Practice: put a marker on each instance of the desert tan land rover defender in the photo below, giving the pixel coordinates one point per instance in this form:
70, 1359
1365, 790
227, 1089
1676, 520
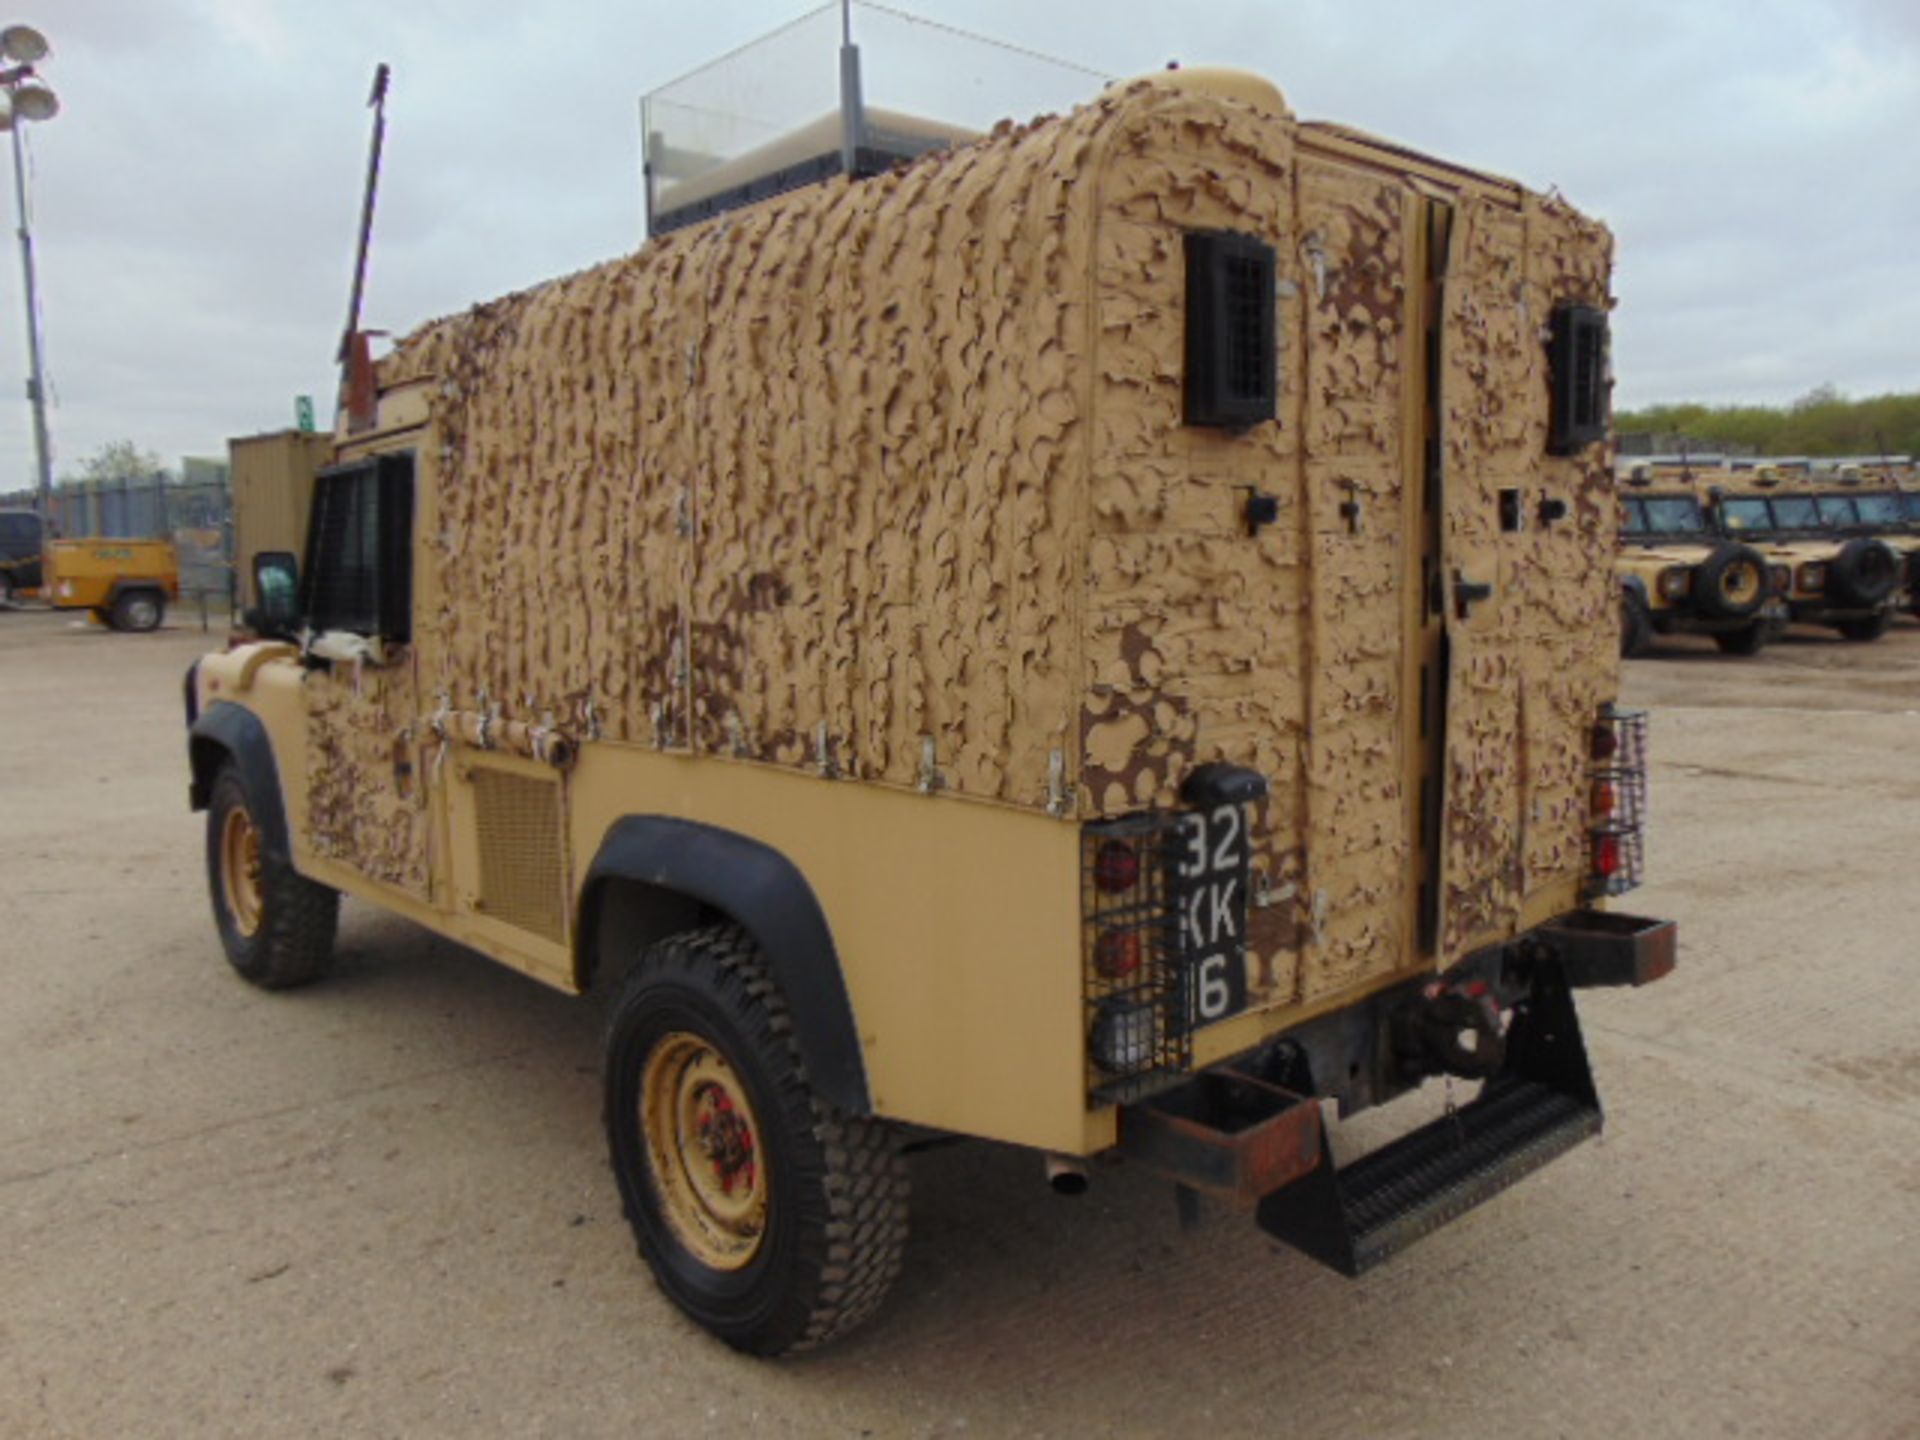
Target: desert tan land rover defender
1097, 640
1843, 578
1677, 576
1869, 500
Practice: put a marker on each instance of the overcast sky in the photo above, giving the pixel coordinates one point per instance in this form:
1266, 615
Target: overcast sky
195, 201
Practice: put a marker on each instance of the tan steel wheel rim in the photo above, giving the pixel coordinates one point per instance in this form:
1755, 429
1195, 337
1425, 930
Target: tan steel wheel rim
240, 870
703, 1145
1741, 584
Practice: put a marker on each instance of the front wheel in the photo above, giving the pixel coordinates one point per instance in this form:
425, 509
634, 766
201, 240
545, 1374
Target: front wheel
1871, 628
276, 925
769, 1217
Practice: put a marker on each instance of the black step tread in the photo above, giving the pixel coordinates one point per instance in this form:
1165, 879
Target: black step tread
1421, 1181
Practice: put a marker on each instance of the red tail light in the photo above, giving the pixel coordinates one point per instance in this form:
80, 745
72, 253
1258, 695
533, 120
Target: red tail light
1116, 867
1117, 953
1617, 800
1606, 857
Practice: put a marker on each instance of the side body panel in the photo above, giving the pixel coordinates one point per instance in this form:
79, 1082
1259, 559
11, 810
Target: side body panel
957, 928
802, 486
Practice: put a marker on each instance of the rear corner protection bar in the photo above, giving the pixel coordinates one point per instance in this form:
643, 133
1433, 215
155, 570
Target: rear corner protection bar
1252, 1133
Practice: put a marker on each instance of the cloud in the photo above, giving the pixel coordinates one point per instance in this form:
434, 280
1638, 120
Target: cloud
197, 197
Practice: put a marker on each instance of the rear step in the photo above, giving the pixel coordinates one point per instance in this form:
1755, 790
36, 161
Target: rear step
1540, 1106
1354, 1218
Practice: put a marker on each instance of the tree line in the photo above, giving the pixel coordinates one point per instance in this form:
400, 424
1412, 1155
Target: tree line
1821, 422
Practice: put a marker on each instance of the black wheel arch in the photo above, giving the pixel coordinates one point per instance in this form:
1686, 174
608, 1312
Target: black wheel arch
226, 732
655, 874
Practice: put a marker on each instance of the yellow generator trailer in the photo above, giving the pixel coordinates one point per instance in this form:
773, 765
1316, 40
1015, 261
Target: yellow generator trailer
124, 584
1098, 639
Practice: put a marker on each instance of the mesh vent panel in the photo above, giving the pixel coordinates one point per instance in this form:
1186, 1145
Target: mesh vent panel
519, 826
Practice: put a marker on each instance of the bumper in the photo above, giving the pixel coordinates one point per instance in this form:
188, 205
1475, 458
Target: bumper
1678, 621
1252, 1132
1820, 612
1598, 948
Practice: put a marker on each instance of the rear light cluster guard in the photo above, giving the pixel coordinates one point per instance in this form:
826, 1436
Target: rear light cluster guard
1137, 1038
1617, 801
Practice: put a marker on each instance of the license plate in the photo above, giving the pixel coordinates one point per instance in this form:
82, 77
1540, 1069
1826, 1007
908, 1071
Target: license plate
1210, 883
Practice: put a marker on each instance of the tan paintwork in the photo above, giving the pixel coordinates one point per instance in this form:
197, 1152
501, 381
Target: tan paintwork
1649, 562
863, 522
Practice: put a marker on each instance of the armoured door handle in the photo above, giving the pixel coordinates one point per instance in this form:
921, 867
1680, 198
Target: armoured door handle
1468, 593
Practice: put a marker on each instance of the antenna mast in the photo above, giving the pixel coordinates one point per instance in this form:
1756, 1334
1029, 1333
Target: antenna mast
377, 101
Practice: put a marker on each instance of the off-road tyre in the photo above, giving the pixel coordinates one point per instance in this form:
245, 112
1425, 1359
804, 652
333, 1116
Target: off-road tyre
1749, 639
1636, 623
1871, 627
834, 1224
1863, 574
287, 939
137, 611
1731, 583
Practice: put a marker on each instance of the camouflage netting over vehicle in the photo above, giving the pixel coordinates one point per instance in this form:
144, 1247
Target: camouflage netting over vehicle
887, 480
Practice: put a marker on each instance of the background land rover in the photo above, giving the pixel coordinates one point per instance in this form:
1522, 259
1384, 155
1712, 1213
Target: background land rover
1849, 583
1879, 510
1096, 640
1678, 575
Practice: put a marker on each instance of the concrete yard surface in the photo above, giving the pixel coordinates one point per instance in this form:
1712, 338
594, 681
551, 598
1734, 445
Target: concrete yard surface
380, 1206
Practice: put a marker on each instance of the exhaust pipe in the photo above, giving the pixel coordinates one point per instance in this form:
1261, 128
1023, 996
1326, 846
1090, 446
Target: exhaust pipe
1066, 1175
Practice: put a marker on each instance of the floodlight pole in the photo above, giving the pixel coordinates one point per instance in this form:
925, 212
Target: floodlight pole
36, 378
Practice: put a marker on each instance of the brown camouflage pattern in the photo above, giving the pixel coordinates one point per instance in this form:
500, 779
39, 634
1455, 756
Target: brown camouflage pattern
888, 481
367, 800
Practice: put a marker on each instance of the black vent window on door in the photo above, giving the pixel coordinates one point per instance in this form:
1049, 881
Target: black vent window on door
1577, 369
1233, 352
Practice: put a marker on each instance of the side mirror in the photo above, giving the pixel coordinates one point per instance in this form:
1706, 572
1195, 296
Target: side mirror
276, 585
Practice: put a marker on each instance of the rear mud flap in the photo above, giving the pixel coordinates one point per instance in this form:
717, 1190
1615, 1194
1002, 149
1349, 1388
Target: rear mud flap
1540, 1105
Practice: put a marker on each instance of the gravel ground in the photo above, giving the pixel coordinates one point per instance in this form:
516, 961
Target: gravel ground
379, 1207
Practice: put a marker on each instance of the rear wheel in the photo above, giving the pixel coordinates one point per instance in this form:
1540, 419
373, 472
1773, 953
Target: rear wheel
1747, 640
1871, 628
769, 1217
276, 925
6, 588
137, 610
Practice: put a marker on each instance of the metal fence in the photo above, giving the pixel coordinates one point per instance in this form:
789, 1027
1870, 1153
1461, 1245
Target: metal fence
196, 514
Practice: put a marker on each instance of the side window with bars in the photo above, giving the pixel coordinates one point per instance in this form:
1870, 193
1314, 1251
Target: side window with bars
1233, 348
358, 575
1577, 371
